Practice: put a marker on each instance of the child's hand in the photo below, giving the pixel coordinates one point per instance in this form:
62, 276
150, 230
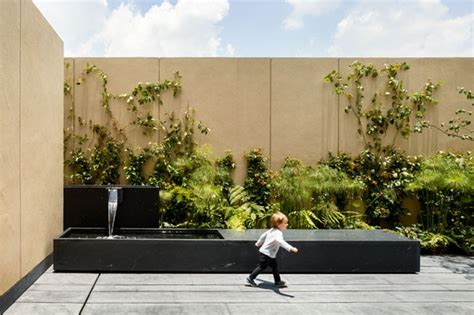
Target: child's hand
294, 250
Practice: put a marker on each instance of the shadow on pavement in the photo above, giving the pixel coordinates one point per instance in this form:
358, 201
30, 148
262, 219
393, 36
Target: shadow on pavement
267, 285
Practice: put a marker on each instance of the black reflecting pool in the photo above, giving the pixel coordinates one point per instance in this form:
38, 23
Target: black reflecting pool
140, 234
220, 250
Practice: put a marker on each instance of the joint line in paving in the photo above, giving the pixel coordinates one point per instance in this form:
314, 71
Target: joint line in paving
88, 295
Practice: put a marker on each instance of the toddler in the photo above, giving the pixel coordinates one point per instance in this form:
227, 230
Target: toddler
269, 243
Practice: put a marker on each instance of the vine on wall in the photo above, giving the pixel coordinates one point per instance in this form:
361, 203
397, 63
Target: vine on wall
393, 107
108, 151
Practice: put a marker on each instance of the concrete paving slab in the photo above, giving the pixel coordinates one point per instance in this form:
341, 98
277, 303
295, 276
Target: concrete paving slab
457, 264
459, 287
429, 261
44, 309
54, 296
434, 269
184, 297
351, 308
168, 288
340, 297
182, 309
144, 278
444, 286
435, 296
235, 278
330, 279
67, 278
244, 288
426, 279
362, 288
61, 287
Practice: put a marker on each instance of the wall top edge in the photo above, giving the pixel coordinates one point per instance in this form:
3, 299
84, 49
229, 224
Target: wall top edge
266, 58
43, 19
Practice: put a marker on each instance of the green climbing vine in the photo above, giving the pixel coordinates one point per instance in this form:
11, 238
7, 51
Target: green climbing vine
392, 107
102, 159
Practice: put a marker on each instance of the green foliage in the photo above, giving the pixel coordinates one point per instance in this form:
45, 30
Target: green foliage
225, 167
384, 177
242, 213
445, 189
195, 200
134, 173
144, 93
309, 195
171, 155
99, 160
432, 243
101, 164
80, 166
257, 182
391, 107
459, 126
151, 91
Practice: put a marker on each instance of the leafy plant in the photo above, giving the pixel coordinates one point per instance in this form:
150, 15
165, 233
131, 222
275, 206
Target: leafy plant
458, 127
99, 159
225, 167
309, 195
134, 173
384, 178
242, 213
101, 164
257, 182
433, 243
445, 189
391, 107
172, 165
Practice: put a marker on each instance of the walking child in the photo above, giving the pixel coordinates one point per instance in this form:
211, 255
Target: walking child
269, 243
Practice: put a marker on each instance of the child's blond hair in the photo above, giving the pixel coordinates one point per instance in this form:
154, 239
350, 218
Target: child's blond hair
277, 218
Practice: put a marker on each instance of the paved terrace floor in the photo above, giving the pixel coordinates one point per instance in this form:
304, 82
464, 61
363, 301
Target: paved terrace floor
444, 286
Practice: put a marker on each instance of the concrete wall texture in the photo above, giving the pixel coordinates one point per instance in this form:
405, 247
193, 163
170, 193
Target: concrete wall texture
281, 105
31, 139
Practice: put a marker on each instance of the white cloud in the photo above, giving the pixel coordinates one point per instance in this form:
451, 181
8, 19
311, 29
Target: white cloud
187, 28
75, 21
303, 8
230, 50
414, 28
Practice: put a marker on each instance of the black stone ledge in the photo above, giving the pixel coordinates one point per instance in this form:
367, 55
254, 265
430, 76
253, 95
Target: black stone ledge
9, 297
320, 251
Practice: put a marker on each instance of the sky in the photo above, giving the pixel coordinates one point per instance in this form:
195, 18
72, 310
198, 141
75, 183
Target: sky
263, 28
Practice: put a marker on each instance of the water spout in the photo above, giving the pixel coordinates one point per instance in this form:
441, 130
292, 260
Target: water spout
112, 208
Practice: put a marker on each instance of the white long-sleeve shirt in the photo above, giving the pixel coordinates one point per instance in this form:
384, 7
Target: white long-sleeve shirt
270, 242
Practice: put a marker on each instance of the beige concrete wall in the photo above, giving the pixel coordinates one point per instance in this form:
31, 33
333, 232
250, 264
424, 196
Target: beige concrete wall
281, 105
9, 144
231, 96
31, 132
304, 111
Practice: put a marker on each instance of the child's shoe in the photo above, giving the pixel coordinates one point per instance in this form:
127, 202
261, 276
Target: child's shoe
281, 284
251, 282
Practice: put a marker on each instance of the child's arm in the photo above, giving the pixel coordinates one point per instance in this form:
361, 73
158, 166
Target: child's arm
285, 245
261, 239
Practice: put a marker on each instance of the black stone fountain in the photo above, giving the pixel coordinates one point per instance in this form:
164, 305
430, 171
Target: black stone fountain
132, 244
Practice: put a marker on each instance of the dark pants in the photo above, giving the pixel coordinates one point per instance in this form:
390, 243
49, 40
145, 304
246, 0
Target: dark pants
263, 262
